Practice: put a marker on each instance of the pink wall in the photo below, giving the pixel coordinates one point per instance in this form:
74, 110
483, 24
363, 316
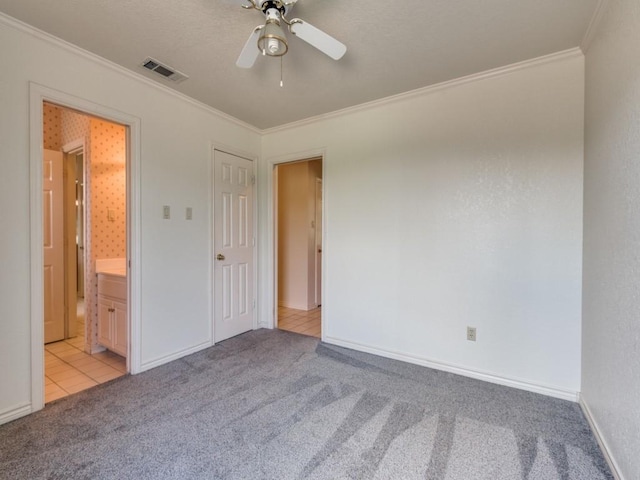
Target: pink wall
51, 127
108, 190
74, 126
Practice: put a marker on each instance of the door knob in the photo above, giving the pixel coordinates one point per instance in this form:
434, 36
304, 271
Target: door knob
220, 257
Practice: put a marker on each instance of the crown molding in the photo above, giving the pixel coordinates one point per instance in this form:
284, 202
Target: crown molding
592, 29
496, 72
69, 47
505, 70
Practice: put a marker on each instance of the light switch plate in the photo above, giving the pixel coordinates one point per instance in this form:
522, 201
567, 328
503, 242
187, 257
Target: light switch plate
166, 212
189, 213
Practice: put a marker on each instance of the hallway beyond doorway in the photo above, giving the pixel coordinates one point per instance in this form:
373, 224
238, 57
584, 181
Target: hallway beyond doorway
300, 321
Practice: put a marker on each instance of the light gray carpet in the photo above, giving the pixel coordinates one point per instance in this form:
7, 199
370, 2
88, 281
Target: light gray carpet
277, 405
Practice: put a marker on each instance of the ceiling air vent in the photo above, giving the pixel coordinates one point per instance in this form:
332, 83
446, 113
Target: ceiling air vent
164, 70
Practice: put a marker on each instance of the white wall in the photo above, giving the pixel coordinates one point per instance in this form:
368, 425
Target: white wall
457, 206
177, 137
611, 324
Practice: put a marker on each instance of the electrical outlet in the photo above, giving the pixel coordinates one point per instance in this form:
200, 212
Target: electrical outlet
471, 334
166, 212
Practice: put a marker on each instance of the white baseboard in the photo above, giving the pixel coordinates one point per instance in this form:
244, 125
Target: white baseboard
601, 441
14, 413
478, 375
144, 366
293, 306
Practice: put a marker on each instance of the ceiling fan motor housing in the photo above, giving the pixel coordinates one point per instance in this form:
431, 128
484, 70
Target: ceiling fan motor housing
267, 5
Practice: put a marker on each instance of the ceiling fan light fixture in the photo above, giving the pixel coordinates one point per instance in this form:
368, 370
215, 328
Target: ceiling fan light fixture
272, 40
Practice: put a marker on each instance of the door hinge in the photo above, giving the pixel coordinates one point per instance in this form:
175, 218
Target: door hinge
253, 179
254, 303
253, 242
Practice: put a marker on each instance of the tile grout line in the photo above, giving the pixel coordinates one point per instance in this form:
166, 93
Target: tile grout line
300, 321
70, 366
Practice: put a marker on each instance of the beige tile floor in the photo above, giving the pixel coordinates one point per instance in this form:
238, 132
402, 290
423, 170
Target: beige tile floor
300, 321
68, 369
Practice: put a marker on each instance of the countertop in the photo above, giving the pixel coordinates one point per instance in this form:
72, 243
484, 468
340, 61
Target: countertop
116, 272
112, 266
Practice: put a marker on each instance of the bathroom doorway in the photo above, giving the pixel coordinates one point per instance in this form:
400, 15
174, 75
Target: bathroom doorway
298, 232
84, 223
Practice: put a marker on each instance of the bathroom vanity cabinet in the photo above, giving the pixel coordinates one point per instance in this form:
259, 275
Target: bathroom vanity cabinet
113, 324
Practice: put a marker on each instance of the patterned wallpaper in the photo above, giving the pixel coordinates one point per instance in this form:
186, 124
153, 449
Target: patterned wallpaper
51, 127
108, 190
106, 202
74, 126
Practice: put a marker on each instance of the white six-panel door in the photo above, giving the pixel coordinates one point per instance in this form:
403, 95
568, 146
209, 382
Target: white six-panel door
233, 245
53, 233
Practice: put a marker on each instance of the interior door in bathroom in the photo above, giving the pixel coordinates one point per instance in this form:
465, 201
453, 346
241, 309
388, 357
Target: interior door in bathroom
53, 234
233, 245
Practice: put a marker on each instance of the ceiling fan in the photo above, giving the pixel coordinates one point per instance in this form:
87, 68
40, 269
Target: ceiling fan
270, 39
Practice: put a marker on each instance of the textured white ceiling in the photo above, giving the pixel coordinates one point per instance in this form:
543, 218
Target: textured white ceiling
393, 47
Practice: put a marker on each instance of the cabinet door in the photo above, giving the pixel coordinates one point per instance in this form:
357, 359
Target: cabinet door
121, 328
105, 330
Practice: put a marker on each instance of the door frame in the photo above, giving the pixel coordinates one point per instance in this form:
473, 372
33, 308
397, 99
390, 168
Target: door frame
270, 304
68, 150
212, 260
318, 269
37, 95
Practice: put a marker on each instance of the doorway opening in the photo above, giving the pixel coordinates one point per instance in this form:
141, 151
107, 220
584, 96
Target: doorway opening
298, 246
85, 240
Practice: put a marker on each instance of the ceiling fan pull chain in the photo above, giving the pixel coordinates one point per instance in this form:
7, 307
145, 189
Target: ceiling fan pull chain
281, 82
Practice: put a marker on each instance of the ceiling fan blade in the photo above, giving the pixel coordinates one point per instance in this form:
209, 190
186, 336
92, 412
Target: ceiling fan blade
317, 38
237, 3
250, 51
